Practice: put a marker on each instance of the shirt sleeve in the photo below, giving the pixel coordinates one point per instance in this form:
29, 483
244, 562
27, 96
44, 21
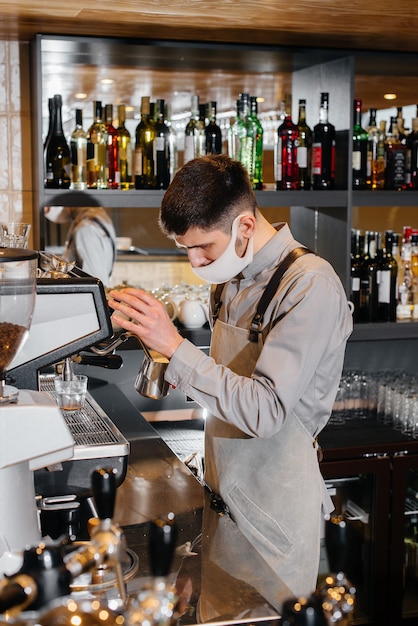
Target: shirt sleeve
311, 329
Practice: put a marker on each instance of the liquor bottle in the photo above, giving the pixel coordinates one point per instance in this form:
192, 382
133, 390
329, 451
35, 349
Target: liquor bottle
213, 132
368, 280
144, 154
357, 247
194, 134
233, 138
360, 146
51, 110
112, 153
375, 153
78, 146
57, 152
323, 149
174, 162
412, 146
387, 273
97, 150
246, 134
286, 165
405, 284
304, 149
124, 150
258, 163
395, 174
161, 147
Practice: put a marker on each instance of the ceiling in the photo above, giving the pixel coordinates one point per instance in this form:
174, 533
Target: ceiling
335, 26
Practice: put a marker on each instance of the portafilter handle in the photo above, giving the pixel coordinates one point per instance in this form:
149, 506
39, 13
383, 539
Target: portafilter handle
104, 492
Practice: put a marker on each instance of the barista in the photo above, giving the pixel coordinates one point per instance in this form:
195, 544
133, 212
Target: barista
268, 392
90, 238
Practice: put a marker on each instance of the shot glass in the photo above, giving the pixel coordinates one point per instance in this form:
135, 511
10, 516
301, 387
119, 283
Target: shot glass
71, 394
14, 234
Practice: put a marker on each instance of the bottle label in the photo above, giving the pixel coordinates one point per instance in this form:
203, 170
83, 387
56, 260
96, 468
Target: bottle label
302, 156
138, 162
355, 284
159, 144
317, 159
383, 292
356, 160
278, 170
189, 148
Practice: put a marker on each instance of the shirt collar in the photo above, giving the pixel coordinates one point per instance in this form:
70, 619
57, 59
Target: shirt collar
272, 252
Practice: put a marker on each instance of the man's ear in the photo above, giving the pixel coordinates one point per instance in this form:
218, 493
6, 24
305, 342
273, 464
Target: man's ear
247, 225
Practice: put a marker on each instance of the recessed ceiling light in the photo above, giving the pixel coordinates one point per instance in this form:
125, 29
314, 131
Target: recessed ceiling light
390, 96
80, 96
128, 109
107, 81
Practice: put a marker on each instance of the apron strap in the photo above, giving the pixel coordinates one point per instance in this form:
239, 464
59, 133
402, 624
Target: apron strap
267, 296
270, 290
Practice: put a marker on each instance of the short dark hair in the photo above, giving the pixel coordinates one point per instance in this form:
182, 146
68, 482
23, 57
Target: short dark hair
206, 193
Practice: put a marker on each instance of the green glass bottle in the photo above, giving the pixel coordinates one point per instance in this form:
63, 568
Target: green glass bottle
258, 162
360, 149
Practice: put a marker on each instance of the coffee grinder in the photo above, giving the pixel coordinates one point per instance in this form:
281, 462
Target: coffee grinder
33, 431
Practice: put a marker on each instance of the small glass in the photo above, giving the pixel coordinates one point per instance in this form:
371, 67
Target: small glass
14, 234
71, 394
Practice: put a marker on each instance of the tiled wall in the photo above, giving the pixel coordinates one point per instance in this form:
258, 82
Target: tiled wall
15, 170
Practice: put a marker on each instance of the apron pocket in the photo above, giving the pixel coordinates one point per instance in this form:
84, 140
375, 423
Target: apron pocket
267, 536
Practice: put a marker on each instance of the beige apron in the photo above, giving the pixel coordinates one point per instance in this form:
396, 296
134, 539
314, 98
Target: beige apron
273, 487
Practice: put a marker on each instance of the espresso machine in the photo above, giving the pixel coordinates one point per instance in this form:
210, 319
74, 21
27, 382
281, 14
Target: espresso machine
47, 456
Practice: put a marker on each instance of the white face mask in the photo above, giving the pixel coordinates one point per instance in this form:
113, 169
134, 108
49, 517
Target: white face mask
229, 264
58, 214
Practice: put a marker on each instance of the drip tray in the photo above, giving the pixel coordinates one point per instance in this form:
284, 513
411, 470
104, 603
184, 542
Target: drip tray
95, 435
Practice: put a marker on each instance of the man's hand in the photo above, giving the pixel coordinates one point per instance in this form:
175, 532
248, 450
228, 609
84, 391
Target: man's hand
148, 319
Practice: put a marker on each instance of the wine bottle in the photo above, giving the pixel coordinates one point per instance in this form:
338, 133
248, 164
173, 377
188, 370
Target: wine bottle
304, 149
286, 165
387, 272
258, 163
57, 152
360, 148
112, 152
323, 149
194, 134
144, 152
78, 145
97, 150
124, 150
51, 110
233, 139
376, 160
172, 142
405, 284
368, 280
357, 246
395, 174
412, 146
213, 132
161, 147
